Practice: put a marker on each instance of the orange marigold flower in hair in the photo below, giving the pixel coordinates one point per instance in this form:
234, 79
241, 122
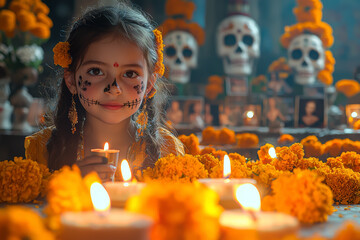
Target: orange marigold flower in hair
247, 140
302, 195
41, 17
226, 136
159, 66
7, 20
348, 87
27, 20
41, 30
62, 54
191, 143
312, 146
285, 138
264, 155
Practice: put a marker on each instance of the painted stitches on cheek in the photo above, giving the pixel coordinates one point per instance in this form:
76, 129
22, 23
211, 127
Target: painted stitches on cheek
139, 89
89, 101
83, 84
133, 103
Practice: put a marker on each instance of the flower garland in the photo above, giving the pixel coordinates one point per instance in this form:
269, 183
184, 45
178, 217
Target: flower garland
179, 210
159, 66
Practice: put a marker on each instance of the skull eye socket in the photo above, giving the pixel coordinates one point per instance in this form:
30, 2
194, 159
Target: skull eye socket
248, 39
170, 51
187, 52
230, 40
314, 55
296, 54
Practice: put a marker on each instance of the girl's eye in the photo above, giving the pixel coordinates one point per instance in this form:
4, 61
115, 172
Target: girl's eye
130, 74
95, 71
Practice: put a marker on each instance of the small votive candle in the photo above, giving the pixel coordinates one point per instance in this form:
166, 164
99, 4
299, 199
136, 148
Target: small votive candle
111, 154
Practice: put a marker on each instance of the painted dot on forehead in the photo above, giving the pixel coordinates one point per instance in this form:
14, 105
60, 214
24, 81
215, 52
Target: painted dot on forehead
116, 64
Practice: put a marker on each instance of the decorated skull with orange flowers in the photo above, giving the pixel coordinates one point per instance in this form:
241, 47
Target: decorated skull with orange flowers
238, 44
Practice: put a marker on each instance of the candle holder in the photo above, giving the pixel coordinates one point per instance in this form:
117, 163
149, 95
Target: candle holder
112, 155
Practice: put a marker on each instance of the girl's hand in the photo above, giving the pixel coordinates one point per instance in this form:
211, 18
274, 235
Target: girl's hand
97, 164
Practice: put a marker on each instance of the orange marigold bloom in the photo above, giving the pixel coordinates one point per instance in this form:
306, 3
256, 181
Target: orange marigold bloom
325, 75
210, 136
334, 162
62, 54
27, 20
41, 17
159, 66
219, 154
247, 140
238, 170
279, 65
333, 147
18, 5
298, 149
285, 138
179, 210
214, 87
209, 161
345, 185
41, 30
264, 174
207, 150
351, 146
309, 163
216, 80
348, 87
191, 144
7, 20
356, 125
286, 159
306, 198
41, 7
226, 136
351, 160
349, 230
2, 3
264, 155
237, 157
312, 146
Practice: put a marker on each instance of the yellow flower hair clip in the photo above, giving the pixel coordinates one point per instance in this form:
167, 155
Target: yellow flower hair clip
61, 54
159, 66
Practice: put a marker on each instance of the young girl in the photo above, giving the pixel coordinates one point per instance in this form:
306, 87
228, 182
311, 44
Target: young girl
111, 91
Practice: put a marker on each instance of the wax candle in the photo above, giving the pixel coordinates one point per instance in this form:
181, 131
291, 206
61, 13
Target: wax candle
225, 187
252, 224
111, 154
120, 192
104, 223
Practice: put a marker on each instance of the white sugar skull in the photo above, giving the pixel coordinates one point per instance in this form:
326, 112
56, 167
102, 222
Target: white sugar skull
306, 57
238, 44
181, 53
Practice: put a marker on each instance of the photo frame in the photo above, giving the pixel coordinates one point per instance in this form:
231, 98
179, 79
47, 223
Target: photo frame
310, 112
352, 114
278, 112
230, 113
315, 90
236, 86
251, 115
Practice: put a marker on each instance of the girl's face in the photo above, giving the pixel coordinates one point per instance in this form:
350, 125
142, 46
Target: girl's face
112, 80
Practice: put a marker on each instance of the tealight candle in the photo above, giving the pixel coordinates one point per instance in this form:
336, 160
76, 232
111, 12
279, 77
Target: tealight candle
120, 192
104, 223
252, 224
224, 187
111, 154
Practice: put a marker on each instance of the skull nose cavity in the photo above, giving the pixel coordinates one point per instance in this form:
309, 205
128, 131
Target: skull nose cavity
304, 64
178, 61
238, 50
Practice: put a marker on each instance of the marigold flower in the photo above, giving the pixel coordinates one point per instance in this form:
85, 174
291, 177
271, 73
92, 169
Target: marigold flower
334, 162
2, 3
179, 210
356, 125
309, 163
191, 144
159, 65
208, 160
264, 174
333, 147
18, 222
210, 135
348, 87
41, 7
238, 169
349, 230
207, 150
351, 160
62, 54
41, 17
226, 136
285, 138
214, 87
7, 20
286, 159
279, 65
16, 6
306, 198
351, 146
27, 20
220, 154
41, 30
247, 140
312, 146
264, 155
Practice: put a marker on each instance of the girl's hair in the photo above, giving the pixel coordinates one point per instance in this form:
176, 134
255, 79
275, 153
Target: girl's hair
129, 24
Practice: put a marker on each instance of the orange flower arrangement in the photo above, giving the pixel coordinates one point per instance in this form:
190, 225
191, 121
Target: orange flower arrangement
264, 155
179, 210
348, 87
308, 11
259, 83
17, 222
306, 198
173, 168
285, 138
351, 146
184, 9
207, 150
62, 54
191, 144
247, 140
214, 87
312, 146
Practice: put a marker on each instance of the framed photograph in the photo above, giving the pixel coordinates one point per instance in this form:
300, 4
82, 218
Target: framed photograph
316, 90
251, 115
310, 112
186, 111
352, 114
278, 86
236, 86
278, 112
230, 113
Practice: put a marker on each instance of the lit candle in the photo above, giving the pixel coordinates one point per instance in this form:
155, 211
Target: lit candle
225, 186
111, 154
120, 192
104, 223
250, 223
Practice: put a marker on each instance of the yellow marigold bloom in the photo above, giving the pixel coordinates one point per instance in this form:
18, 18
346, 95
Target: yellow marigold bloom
62, 54
306, 198
185, 168
219, 154
349, 230
287, 157
179, 210
356, 125
351, 160
264, 174
345, 185
159, 65
41, 30
41, 17
207, 150
17, 222
298, 149
348, 87
237, 157
191, 144
208, 160
334, 162
20, 179
238, 169
7, 20
285, 138
247, 140
210, 136
264, 155
41, 7
27, 20
309, 163
333, 147
312, 146
16, 6
226, 136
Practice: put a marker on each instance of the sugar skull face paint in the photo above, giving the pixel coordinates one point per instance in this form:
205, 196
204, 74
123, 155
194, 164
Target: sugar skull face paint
139, 89
83, 84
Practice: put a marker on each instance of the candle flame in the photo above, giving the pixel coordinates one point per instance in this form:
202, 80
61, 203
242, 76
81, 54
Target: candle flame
272, 152
250, 114
99, 197
354, 114
248, 197
125, 170
227, 167
106, 146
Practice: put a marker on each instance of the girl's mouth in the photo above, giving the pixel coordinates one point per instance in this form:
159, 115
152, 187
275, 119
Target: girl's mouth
111, 106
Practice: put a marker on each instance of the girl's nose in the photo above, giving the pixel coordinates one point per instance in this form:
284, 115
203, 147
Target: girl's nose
113, 88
